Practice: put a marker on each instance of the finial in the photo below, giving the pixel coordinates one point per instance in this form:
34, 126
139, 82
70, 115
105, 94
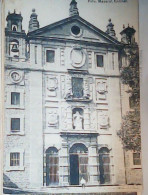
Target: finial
33, 23
73, 10
73, 2
110, 29
128, 24
8, 12
14, 11
123, 26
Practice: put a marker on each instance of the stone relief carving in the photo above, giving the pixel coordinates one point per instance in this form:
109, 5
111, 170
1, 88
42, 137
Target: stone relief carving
77, 57
62, 86
67, 118
52, 85
86, 118
93, 120
53, 118
16, 76
86, 89
64, 118
101, 88
62, 57
103, 120
68, 90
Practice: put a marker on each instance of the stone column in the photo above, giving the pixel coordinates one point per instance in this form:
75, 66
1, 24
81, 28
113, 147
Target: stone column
93, 165
86, 119
69, 118
86, 88
64, 165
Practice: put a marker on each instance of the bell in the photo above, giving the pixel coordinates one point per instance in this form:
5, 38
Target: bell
15, 48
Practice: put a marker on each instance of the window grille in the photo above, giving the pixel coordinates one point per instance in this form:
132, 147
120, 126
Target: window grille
15, 159
52, 167
77, 87
136, 159
104, 165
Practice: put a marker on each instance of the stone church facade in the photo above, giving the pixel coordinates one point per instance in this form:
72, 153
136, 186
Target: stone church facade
64, 103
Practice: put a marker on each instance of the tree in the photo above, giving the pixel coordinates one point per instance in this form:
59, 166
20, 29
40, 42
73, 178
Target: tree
130, 128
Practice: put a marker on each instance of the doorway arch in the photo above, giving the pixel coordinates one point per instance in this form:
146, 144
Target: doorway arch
52, 166
104, 165
78, 163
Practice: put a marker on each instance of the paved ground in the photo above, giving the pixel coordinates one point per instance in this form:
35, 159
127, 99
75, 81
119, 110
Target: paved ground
91, 190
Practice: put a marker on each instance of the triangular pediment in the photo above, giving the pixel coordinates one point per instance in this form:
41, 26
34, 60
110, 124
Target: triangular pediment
64, 30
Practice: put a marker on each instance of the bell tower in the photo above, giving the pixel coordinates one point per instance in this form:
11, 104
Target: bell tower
128, 35
15, 37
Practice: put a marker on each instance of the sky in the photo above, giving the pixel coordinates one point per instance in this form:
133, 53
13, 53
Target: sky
50, 11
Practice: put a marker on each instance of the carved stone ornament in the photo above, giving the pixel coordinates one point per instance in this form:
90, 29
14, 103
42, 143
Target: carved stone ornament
68, 90
77, 57
101, 87
52, 85
15, 77
52, 119
104, 120
93, 120
86, 89
67, 118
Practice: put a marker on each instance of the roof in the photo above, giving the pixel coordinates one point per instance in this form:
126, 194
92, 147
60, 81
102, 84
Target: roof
128, 30
71, 19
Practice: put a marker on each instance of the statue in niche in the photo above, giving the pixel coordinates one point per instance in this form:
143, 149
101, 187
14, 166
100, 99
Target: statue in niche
77, 120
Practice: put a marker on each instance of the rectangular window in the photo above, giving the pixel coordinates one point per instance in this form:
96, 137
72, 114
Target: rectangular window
15, 124
77, 87
15, 159
136, 159
15, 98
50, 56
100, 62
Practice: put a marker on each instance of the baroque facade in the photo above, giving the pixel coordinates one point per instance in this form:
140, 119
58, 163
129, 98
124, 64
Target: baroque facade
64, 104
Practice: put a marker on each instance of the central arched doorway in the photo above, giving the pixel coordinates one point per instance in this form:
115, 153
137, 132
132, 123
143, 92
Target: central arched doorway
78, 163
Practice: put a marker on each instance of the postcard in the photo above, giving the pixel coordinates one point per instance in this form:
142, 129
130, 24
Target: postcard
72, 97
